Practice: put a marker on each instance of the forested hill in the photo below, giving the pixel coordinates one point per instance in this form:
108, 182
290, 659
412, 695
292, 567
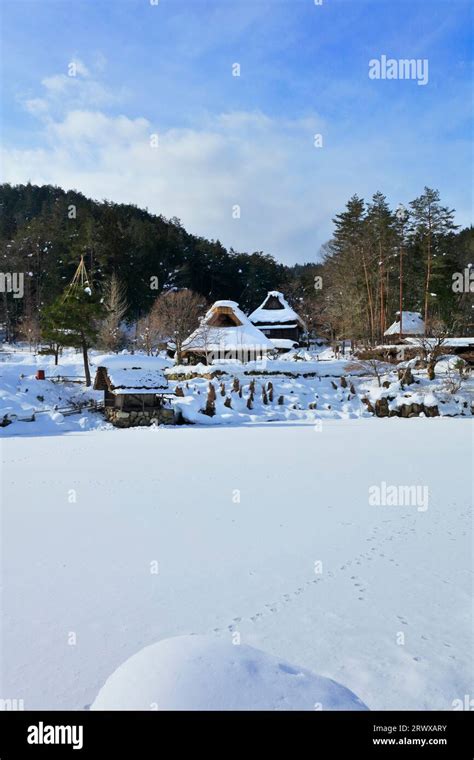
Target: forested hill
44, 230
377, 257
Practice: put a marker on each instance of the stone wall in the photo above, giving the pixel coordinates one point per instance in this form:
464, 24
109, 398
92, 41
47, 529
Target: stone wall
381, 409
140, 418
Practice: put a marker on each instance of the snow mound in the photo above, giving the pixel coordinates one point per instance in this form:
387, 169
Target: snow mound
207, 673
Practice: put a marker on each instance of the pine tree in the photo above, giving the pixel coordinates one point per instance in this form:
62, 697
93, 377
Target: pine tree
73, 319
430, 223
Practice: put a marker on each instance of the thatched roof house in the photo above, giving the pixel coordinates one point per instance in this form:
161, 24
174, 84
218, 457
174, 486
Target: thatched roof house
278, 321
134, 389
412, 325
226, 333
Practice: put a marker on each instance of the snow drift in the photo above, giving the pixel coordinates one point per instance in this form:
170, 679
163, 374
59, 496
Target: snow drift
207, 673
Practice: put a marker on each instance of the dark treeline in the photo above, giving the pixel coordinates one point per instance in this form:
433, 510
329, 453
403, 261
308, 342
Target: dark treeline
44, 231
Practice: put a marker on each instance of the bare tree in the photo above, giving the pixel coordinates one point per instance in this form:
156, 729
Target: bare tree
431, 348
372, 368
175, 315
111, 335
208, 340
29, 329
147, 334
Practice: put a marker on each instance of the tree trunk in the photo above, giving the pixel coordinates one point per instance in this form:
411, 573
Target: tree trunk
369, 298
87, 371
428, 277
401, 290
382, 303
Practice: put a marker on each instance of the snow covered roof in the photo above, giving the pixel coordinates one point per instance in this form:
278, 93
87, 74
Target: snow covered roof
280, 311
226, 328
412, 324
451, 342
283, 343
130, 374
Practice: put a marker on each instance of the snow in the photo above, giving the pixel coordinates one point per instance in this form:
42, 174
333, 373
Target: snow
309, 383
202, 673
134, 372
412, 324
117, 539
447, 342
269, 317
283, 343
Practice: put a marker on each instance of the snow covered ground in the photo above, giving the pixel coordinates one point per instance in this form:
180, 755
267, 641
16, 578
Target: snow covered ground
309, 390
206, 673
113, 540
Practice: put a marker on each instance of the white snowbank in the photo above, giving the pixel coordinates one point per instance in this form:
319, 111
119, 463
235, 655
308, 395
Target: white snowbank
207, 673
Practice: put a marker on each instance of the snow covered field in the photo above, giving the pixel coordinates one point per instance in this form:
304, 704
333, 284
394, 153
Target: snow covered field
115, 539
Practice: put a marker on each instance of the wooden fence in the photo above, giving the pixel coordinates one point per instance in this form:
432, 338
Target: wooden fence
66, 411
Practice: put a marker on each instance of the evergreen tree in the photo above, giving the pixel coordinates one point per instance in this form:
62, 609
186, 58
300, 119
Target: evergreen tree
430, 224
73, 320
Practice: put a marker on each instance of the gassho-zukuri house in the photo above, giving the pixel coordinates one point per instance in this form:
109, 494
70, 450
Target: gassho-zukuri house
412, 325
278, 321
226, 332
135, 391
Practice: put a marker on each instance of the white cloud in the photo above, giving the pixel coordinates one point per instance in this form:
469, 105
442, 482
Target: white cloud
287, 189
197, 174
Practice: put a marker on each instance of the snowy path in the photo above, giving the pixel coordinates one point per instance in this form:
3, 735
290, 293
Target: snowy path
169, 496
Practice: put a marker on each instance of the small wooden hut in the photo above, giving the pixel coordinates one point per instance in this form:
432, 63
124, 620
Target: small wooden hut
135, 393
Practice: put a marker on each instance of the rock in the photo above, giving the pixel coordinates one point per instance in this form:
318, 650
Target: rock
405, 376
369, 406
381, 407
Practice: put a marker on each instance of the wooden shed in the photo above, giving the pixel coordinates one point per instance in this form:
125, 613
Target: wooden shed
135, 393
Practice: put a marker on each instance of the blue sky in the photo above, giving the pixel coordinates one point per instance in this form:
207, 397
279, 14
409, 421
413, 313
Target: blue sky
247, 141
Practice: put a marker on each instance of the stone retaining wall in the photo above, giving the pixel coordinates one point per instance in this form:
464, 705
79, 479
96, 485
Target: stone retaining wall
140, 418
